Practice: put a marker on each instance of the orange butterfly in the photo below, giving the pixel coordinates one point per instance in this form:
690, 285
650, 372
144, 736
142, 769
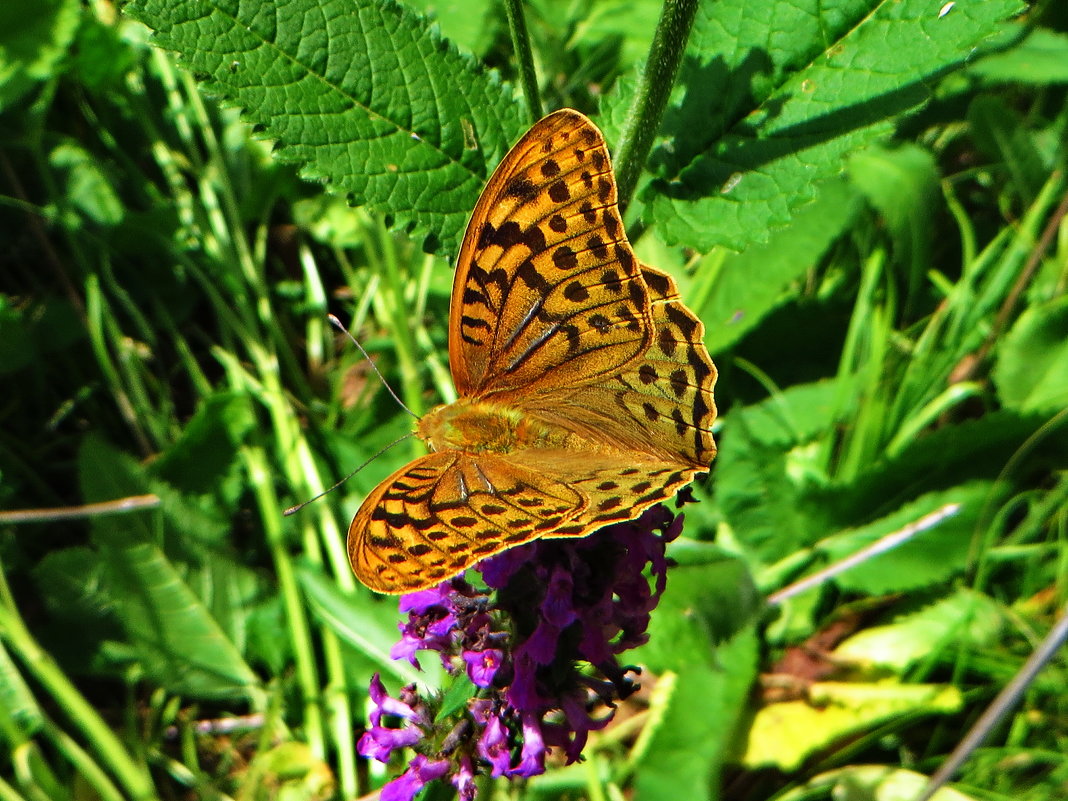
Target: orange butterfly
585, 390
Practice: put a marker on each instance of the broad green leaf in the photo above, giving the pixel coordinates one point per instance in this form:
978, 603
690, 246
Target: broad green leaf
965, 617
470, 24
87, 187
80, 610
769, 482
1040, 59
179, 643
368, 626
366, 95
206, 453
746, 286
929, 558
784, 734
1031, 371
682, 752
770, 104
703, 644
871, 783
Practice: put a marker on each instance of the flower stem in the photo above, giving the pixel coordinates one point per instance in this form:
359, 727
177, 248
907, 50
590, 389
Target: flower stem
517, 25
654, 88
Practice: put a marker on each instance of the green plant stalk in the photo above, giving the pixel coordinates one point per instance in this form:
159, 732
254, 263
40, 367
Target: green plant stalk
77, 756
299, 464
262, 483
864, 350
951, 397
133, 777
96, 326
35, 774
654, 89
517, 26
391, 307
224, 215
9, 793
317, 332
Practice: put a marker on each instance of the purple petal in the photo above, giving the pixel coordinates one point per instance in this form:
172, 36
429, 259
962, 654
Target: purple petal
532, 756
558, 606
385, 705
419, 772
405, 648
464, 780
493, 746
378, 743
423, 600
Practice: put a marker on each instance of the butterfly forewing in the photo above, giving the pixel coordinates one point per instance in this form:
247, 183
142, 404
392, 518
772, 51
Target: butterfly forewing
547, 290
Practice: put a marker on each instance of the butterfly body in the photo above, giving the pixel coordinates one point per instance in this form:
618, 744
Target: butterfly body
585, 387
477, 426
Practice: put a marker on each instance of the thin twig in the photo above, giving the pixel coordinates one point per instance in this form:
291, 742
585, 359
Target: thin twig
120, 506
880, 546
1000, 706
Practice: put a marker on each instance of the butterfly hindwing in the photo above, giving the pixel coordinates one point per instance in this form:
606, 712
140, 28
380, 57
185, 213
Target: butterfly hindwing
547, 289
441, 513
660, 403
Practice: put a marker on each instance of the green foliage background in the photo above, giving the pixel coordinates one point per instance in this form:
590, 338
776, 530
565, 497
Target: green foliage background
864, 201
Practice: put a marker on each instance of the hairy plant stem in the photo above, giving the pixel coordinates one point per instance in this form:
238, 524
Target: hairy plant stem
517, 26
654, 88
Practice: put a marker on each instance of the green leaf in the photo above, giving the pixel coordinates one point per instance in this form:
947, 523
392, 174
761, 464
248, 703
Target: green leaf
771, 103
929, 558
871, 783
1031, 371
366, 95
965, 617
1040, 59
1001, 133
470, 24
785, 734
683, 748
681, 754
768, 480
88, 188
367, 625
177, 640
206, 453
746, 286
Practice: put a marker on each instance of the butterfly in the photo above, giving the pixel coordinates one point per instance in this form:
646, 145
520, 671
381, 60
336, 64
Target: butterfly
584, 387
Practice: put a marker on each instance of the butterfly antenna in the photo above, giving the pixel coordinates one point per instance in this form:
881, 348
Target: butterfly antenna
294, 509
346, 332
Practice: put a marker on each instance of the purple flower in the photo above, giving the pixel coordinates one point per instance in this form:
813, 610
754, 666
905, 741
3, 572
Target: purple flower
482, 666
555, 605
420, 771
379, 742
464, 779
